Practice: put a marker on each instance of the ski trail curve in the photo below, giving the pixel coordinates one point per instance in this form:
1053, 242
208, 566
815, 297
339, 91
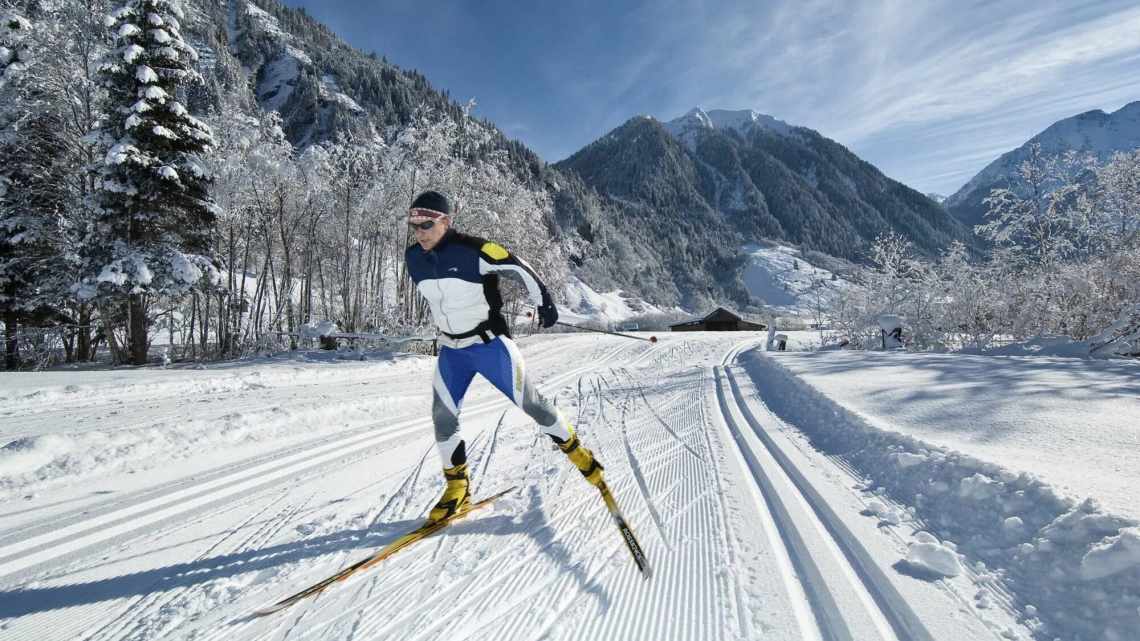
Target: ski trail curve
849, 592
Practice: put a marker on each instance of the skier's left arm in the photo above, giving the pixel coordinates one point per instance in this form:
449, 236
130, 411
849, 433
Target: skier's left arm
495, 259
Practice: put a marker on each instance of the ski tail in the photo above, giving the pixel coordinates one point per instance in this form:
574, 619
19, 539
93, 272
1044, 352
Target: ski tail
627, 535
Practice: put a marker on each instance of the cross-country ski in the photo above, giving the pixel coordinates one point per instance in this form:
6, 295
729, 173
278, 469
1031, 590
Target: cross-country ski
424, 531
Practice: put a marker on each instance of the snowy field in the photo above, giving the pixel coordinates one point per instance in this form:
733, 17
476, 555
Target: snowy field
170, 504
1072, 421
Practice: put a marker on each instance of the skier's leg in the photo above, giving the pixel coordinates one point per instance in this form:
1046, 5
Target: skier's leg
504, 366
453, 374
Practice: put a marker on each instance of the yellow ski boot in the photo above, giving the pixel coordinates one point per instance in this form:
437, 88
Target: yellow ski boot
455, 496
584, 460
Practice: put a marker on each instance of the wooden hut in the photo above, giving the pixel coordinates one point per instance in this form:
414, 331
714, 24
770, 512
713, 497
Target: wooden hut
720, 320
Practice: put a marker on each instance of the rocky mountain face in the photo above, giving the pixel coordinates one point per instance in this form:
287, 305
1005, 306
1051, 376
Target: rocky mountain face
698, 188
1094, 132
270, 57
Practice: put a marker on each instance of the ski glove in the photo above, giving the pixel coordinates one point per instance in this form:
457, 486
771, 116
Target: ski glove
547, 315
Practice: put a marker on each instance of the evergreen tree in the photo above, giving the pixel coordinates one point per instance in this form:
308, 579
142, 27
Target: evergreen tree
31, 283
154, 215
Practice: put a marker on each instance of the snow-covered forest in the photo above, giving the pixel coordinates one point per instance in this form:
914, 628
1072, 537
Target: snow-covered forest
140, 203
1065, 262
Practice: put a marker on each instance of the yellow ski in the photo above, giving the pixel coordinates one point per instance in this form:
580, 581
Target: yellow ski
418, 534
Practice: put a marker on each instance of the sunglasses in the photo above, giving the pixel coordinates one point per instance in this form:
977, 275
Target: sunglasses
426, 225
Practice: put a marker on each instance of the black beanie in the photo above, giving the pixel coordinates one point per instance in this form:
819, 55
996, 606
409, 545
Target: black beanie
434, 201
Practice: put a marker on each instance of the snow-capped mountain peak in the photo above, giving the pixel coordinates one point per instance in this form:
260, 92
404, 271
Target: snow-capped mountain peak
1095, 132
739, 120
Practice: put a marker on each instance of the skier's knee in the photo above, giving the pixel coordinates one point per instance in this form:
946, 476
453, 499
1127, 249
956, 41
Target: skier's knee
538, 408
446, 423
541, 415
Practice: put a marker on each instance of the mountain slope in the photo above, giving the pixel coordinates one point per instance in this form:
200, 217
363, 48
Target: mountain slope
700, 187
1094, 132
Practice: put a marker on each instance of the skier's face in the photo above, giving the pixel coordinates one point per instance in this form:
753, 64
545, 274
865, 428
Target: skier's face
428, 238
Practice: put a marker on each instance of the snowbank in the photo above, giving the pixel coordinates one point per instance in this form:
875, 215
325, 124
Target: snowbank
1054, 346
1073, 568
1071, 422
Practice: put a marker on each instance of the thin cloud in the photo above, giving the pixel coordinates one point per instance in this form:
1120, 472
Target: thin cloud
936, 72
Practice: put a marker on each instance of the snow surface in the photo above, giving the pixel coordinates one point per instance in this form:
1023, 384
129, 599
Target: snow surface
330, 90
1117, 554
145, 74
170, 503
262, 19
278, 80
131, 53
128, 30
934, 557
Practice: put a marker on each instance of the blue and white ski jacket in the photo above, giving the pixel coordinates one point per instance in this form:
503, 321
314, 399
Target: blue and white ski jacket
459, 277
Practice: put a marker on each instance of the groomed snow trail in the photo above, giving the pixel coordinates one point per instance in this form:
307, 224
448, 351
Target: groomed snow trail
743, 543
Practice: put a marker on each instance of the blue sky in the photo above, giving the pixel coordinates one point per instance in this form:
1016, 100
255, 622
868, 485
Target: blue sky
928, 91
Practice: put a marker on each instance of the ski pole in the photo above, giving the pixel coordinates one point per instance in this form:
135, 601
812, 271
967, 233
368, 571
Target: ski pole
651, 339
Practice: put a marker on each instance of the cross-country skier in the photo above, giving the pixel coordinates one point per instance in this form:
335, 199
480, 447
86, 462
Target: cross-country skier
459, 276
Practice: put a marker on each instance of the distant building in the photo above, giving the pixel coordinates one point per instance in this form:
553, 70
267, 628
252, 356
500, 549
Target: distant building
720, 320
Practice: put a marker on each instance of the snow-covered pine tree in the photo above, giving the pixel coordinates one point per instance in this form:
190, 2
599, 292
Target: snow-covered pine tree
154, 215
31, 282
14, 30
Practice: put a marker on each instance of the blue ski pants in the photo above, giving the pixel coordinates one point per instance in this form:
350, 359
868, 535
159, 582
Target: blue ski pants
501, 363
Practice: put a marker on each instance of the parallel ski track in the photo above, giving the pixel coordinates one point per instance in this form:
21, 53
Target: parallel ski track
785, 498
684, 491
132, 622
70, 534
